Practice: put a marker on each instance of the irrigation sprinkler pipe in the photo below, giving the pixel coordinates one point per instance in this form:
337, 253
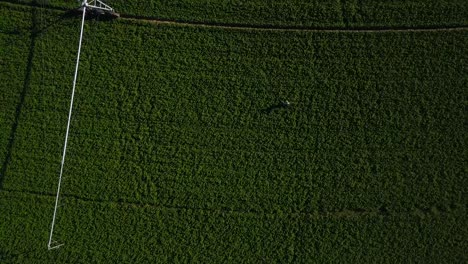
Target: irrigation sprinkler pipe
49, 245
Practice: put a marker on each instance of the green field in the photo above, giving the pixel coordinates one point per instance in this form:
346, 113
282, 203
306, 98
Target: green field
179, 152
294, 13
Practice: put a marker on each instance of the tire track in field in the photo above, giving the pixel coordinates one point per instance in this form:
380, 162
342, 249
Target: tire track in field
251, 27
288, 28
345, 213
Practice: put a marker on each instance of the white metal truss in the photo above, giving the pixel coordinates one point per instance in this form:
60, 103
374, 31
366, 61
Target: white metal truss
94, 4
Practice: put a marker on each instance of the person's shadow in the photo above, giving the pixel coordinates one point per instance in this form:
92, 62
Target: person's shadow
271, 108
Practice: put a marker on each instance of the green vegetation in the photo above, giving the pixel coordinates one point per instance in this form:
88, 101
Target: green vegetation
312, 13
179, 151
109, 232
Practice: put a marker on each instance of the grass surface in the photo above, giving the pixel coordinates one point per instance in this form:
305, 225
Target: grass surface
178, 150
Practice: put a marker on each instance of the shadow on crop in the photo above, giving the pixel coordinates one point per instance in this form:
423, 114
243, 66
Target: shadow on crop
39, 27
19, 107
91, 14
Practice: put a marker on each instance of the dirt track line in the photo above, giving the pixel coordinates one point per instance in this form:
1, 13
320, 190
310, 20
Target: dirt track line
298, 29
288, 28
231, 26
346, 213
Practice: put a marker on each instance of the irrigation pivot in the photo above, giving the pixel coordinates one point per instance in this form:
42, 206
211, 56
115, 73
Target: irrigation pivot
93, 7
97, 8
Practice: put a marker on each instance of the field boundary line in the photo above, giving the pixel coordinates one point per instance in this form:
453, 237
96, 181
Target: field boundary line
260, 27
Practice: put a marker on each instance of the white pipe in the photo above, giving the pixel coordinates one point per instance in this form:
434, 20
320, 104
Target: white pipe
66, 135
